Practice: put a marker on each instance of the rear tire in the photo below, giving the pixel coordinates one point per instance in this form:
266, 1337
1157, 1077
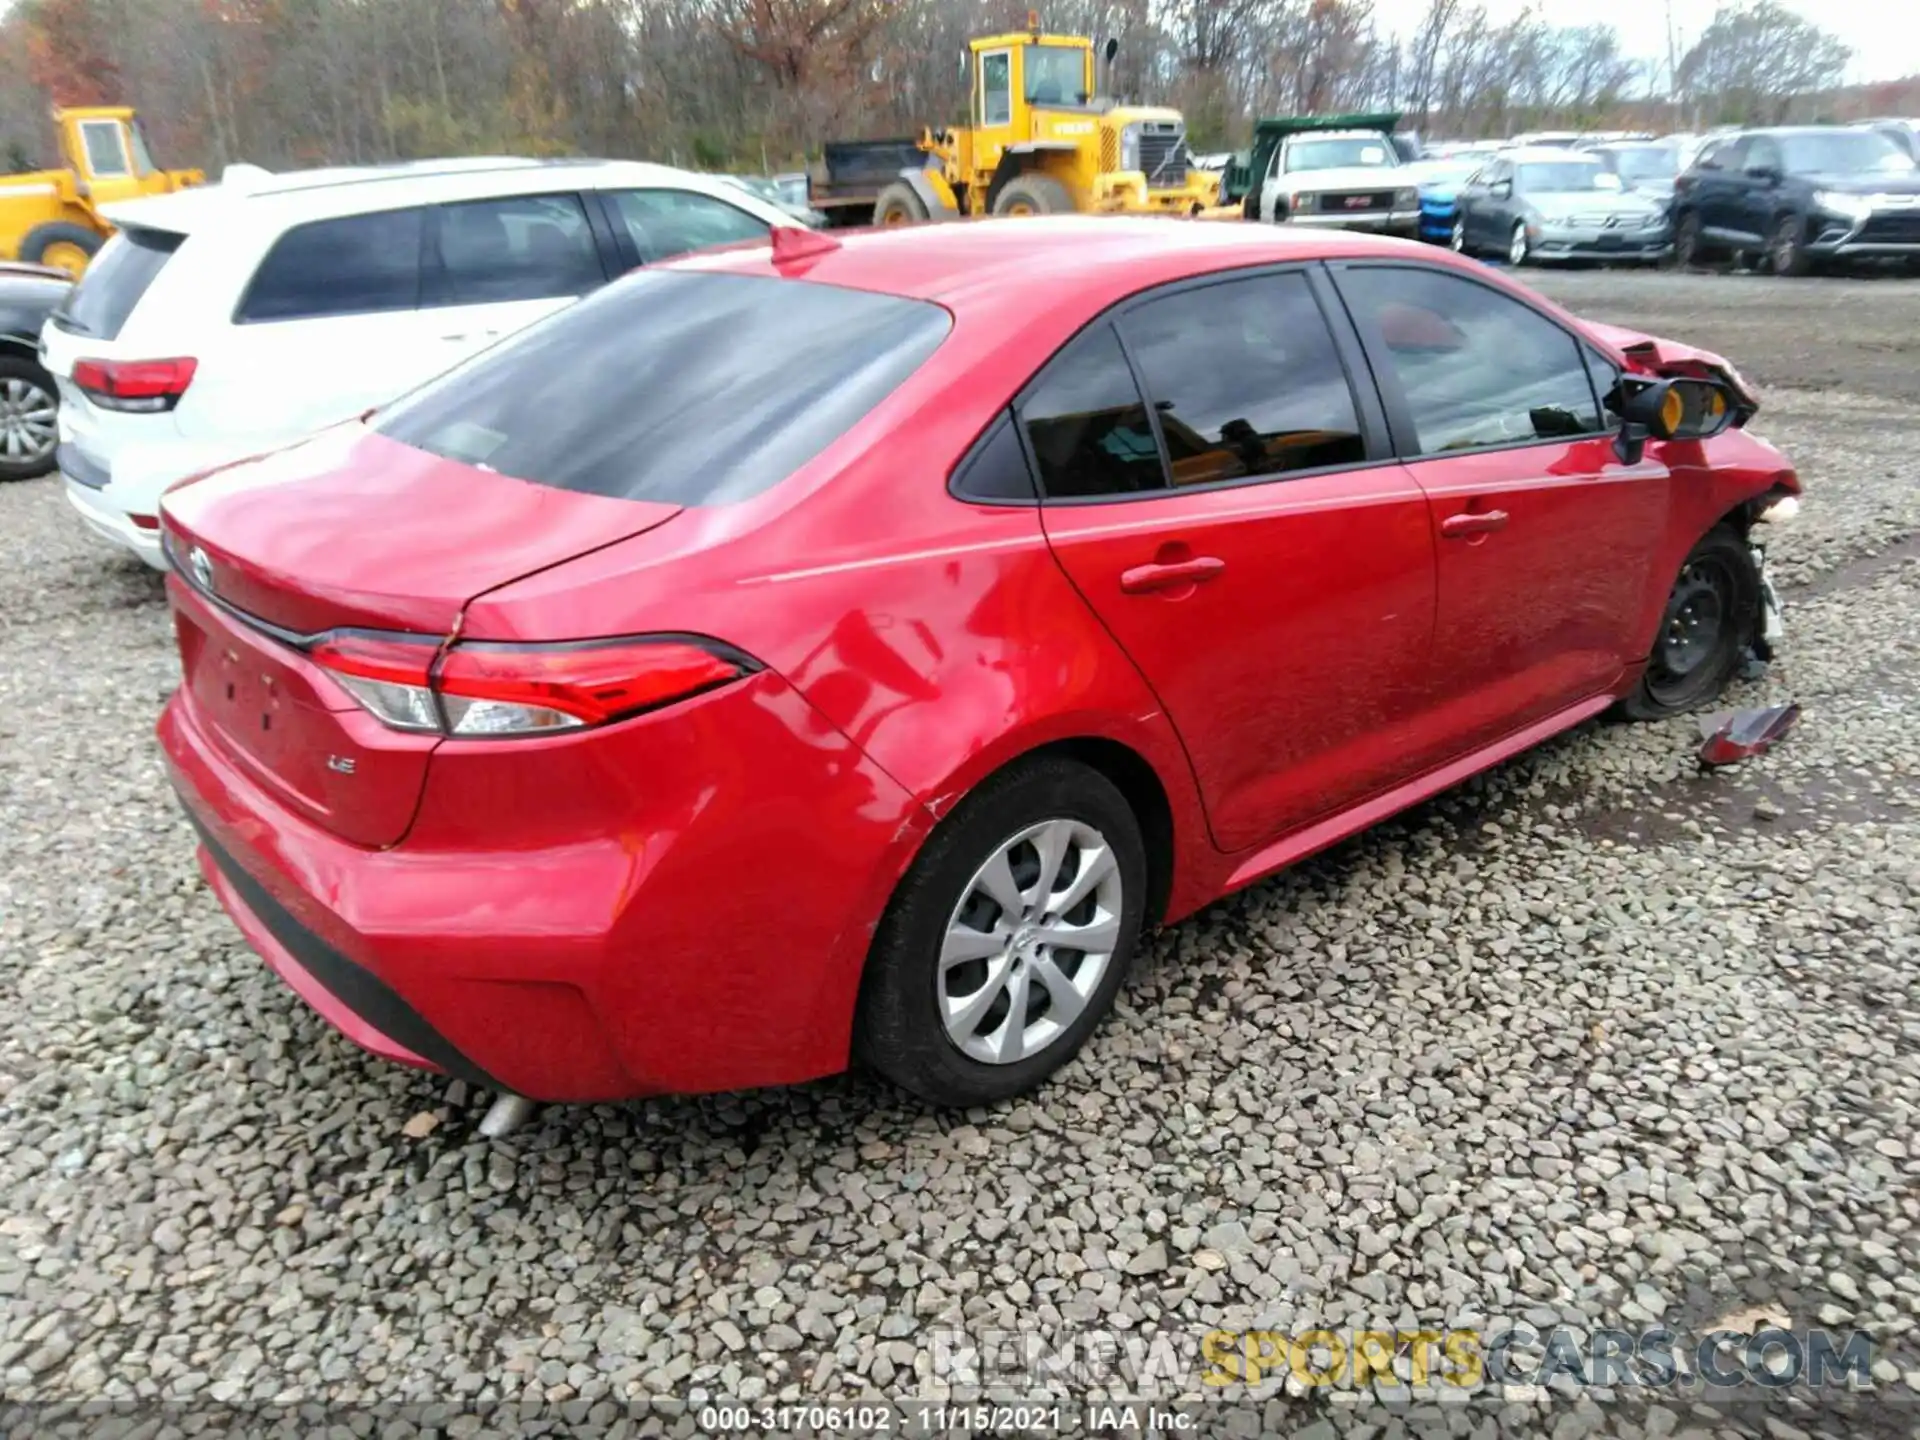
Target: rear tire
1690, 250
29, 401
1711, 617
949, 962
58, 243
1033, 195
899, 204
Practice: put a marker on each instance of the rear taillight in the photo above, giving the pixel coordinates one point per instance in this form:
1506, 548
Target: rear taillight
139, 386
484, 689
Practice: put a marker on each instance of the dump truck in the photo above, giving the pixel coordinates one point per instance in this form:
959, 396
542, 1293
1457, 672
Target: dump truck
1042, 140
52, 217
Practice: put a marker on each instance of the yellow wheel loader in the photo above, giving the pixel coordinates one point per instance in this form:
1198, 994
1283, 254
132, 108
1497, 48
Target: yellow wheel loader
1042, 141
52, 217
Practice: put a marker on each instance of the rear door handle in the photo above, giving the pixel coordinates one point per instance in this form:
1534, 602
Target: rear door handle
1472, 522
1143, 579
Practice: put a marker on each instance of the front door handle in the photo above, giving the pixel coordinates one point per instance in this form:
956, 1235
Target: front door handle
1472, 522
1172, 575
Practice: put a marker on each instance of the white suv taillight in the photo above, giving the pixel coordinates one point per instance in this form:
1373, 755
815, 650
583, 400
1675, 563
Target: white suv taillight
136, 386
482, 690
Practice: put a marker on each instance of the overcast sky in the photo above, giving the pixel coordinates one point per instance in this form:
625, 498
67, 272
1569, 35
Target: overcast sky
1884, 35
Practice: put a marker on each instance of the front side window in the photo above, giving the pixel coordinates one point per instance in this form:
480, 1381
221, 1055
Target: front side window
106, 148
1246, 380
1762, 154
358, 264
1056, 75
1478, 368
523, 247
1088, 425
142, 156
685, 389
996, 88
664, 223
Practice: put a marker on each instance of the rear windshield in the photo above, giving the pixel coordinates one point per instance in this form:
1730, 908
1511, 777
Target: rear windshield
683, 388
115, 280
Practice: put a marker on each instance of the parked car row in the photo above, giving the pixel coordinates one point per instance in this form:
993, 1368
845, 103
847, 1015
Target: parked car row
1789, 199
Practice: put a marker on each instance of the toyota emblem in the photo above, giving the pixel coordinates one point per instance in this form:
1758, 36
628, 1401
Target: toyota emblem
202, 568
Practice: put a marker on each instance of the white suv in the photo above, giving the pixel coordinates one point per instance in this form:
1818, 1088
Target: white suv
223, 322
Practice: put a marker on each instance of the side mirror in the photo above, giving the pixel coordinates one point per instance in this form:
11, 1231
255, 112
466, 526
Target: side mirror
1765, 173
1110, 49
1500, 189
1680, 409
966, 64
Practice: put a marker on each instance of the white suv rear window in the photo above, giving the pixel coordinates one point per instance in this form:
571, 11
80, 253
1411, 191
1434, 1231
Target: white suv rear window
114, 282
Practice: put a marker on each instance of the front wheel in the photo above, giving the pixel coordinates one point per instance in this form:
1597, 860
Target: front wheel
29, 401
1519, 252
1458, 242
1006, 942
1711, 616
898, 204
1033, 195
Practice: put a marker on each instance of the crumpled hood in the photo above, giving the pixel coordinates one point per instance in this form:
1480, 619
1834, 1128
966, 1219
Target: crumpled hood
1660, 356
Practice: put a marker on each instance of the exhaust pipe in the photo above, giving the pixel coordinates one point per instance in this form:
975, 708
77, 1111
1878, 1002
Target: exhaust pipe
506, 1115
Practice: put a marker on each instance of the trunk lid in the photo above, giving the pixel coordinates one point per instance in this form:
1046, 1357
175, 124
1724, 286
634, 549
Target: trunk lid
353, 530
349, 530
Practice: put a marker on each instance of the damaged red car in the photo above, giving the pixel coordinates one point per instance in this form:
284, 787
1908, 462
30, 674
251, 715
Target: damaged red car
837, 651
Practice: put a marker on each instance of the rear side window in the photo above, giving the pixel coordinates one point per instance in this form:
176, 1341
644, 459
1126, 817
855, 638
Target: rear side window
664, 223
114, 282
681, 388
1246, 379
352, 266
524, 247
1088, 425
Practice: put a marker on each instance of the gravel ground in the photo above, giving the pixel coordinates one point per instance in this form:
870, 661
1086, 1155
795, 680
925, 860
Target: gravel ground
1593, 1039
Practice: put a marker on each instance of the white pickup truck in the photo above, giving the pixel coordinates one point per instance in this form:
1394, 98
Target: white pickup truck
1348, 179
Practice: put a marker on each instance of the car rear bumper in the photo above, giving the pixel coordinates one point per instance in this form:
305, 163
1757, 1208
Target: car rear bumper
707, 933
108, 520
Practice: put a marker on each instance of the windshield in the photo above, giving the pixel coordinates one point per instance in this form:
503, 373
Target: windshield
1056, 75
1334, 154
1563, 175
1844, 152
1650, 162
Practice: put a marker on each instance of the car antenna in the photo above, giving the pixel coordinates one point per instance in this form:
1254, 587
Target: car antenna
792, 245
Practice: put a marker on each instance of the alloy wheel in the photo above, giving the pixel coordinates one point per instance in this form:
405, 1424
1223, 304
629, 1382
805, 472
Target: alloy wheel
1030, 940
27, 431
1517, 251
1459, 241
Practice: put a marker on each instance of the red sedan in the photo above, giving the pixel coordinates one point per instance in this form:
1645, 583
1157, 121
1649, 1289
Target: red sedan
843, 650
